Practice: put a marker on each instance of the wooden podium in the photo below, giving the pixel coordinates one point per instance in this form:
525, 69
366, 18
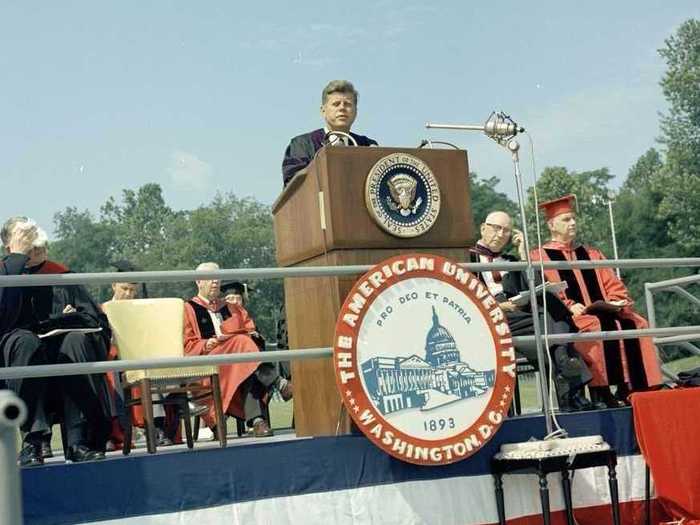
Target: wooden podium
321, 219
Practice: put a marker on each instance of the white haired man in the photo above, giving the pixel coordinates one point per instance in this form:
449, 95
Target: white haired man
213, 326
339, 110
28, 311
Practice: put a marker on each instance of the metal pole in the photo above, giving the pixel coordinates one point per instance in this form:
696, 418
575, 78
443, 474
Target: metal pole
651, 313
244, 274
100, 367
670, 283
513, 147
612, 230
460, 127
13, 412
685, 293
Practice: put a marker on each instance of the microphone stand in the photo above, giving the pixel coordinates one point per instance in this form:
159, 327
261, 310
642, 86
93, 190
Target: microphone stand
502, 129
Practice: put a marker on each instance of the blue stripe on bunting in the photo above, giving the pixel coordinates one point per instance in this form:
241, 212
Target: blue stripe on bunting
171, 482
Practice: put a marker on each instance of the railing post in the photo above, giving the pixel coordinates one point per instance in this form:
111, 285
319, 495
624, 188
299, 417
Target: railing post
12, 414
651, 313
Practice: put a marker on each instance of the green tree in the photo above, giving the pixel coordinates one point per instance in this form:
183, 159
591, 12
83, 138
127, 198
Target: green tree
643, 232
680, 181
485, 198
592, 191
140, 227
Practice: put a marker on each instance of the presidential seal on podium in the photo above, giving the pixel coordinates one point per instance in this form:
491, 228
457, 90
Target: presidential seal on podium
402, 195
424, 359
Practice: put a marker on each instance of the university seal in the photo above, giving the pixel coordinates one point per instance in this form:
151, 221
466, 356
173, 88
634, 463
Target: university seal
402, 195
424, 360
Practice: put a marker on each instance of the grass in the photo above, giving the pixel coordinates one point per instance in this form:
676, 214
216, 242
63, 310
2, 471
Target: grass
685, 363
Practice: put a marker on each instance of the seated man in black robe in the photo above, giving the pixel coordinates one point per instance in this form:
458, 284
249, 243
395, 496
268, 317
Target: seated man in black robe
338, 109
81, 401
570, 373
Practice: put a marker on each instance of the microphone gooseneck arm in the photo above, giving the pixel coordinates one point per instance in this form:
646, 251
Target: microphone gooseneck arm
332, 133
499, 126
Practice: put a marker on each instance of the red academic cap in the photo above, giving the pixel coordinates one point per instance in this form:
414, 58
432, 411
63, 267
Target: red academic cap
558, 206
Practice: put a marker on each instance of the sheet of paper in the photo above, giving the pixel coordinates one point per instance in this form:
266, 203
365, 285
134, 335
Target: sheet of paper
61, 331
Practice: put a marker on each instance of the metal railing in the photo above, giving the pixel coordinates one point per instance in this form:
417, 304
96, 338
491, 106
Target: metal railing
682, 333
290, 355
9, 281
13, 412
676, 286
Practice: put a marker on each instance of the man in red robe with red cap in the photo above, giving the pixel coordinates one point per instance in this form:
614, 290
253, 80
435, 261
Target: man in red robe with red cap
598, 301
213, 326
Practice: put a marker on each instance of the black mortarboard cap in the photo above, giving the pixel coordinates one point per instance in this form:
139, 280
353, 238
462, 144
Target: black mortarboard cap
124, 266
234, 287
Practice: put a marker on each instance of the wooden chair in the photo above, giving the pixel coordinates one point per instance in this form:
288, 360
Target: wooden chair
241, 429
152, 329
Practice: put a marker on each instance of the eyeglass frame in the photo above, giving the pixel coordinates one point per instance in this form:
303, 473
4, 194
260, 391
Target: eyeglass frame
499, 228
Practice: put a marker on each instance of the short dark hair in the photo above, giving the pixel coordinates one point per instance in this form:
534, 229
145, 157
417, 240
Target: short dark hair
338, 86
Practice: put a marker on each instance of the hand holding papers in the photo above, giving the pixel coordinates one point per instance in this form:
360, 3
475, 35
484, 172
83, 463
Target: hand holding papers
61, 331
605, 307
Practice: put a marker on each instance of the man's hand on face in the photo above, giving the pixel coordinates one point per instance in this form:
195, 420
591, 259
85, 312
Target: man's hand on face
21, 240
518, 240
577, 309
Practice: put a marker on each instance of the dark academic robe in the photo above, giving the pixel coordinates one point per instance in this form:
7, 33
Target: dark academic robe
570, 371
630, 361
39, 309
199, 327
302, 148
11, 298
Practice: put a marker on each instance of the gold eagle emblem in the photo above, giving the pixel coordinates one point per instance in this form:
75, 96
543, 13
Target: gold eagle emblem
403, 194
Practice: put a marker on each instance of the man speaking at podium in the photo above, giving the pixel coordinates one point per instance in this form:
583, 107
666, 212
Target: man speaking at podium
338, 109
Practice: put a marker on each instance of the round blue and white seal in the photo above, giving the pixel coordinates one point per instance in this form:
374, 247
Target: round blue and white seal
402, 195
424, 359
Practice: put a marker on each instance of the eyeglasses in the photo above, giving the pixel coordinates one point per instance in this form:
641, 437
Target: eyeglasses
498, 228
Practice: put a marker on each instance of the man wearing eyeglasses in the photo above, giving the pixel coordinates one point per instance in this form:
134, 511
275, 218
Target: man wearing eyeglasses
339, 110
570, 372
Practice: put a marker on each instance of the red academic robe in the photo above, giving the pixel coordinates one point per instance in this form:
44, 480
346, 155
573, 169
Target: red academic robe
630, 361
51, 267
198, 328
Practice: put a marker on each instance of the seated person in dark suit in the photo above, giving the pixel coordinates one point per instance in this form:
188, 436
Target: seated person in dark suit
570, 372
81, 400
338, 109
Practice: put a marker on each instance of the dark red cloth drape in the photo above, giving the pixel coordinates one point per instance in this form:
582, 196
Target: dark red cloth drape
667, 424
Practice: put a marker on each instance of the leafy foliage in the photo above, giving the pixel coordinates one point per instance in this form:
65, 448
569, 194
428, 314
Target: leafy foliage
236, 233
592, 194
485, 198
679, 183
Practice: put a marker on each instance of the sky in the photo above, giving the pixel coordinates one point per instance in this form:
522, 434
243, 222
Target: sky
203, 97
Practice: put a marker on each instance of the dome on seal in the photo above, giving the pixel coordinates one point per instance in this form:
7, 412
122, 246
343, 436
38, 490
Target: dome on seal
440, 347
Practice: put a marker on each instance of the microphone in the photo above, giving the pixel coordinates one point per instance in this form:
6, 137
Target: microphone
500, 125
332, 133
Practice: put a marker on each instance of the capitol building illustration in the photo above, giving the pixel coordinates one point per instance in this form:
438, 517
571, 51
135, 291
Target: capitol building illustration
398, 383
